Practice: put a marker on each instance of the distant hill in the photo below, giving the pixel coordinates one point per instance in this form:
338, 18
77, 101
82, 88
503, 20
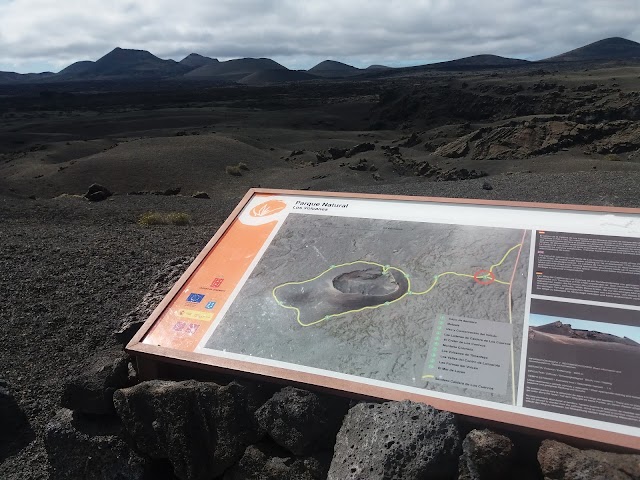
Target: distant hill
128, 64
9, 77
195, 60
123, 63
565, 330
234, 69
615, 48
13, 77
480, 61
77, 68
331, 68
276, 76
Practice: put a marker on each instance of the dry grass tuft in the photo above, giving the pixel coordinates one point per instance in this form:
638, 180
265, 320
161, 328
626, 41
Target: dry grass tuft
233, 170
236, 170
158, 218
69, 195
612, 157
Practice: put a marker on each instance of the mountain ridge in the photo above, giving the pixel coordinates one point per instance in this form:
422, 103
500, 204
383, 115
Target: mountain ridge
125, 64
613, 48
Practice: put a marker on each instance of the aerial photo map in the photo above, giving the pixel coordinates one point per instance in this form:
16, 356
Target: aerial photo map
427, 305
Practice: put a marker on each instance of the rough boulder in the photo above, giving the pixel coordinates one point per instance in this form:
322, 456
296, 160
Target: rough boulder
396, 441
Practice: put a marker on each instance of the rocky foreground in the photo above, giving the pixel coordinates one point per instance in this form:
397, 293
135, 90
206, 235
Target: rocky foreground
79, 276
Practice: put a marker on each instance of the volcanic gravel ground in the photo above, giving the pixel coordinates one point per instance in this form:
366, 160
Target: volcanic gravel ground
70, 268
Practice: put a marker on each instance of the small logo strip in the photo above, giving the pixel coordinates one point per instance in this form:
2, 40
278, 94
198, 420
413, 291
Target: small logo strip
188, 329
195, 315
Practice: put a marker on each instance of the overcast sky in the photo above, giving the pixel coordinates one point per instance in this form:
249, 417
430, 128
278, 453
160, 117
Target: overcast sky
38, 35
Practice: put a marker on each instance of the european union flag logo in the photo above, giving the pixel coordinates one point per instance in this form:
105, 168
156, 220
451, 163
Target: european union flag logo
195, 298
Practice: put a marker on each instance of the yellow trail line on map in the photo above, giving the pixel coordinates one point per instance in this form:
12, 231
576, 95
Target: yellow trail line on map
385, 269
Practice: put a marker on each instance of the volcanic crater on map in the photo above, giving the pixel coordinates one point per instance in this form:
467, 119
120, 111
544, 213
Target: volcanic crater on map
363, 296
342, 289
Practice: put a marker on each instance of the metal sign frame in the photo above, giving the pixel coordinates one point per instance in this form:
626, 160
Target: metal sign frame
152, 356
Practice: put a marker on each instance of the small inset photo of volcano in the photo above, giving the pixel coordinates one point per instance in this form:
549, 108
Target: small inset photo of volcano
585, 333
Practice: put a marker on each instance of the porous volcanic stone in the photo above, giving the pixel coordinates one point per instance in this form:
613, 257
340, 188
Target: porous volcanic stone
81, 449
396, 441
412, 141
169, 274
264, 462
201, 428
361, 147
302, 421
562, 462
97, 196
337, 153
486, 455
91, 392
14, 426
203, 195
97, 192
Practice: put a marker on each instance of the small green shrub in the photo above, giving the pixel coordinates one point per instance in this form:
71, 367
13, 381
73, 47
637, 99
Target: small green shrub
157, 218
233, 170
243, 166
177, 218
612, 157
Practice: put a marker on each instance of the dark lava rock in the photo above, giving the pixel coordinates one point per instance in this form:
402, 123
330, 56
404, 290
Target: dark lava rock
337, 153
487, 186
361, 166
96, 196
390, 150
425, 169
589, 87
91, 392
486, 456
459, 174
302, 421
203, 195
169, 274
396, 441
296, 152
264, 462
15, 431
97, 193
562, 462
169, 192
81, 449
322, 157
361, 147
376, 176
201, 428
412, 141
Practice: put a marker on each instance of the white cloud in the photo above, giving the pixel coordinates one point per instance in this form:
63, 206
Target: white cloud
299, 33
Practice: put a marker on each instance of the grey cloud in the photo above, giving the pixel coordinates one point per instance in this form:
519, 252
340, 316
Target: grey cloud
294, 31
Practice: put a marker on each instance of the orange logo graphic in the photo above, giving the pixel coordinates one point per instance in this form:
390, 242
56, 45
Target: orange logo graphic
268, 208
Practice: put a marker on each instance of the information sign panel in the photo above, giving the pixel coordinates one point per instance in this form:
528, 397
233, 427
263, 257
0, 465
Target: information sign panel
521, 313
